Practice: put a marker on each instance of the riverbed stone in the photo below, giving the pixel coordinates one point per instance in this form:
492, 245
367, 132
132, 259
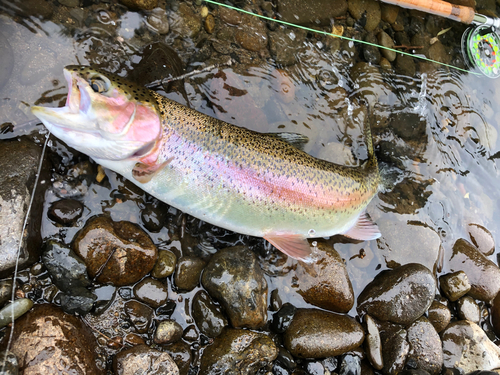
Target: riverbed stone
238, 351
426, 352
65, 211
385, 40
439, 315
373, 343
167, 332
495, 314
319, 334
466, 347
468, 309
454, 285
483, 274
140, 4
139, 315
48, 341
208, 316
152, 292
324, 282
251, 34
286, 44
6, 60
481, 238
180, 352
366, 8
185, 21
234, 278
142, 359
395, 352
19, 161
399, 296
187, 275
318, 12
165, 265
118, 253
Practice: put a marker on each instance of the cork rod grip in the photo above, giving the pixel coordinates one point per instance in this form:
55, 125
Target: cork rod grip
437, 7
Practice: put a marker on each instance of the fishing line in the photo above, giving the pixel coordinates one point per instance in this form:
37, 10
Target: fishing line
13, 295
341, 37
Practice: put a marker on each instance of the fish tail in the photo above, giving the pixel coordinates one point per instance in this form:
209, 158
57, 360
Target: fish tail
372, 159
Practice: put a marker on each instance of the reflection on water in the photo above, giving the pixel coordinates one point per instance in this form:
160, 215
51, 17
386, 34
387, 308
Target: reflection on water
439, 128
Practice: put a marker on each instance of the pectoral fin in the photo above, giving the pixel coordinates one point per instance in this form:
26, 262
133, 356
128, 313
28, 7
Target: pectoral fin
293, 245
144, 172
364, 229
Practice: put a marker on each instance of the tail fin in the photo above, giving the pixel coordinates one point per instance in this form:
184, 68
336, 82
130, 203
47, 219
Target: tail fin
372, 159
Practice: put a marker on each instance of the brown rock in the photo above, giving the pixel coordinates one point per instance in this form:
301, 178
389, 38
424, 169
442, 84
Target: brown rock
187, 275
439, 315
425, 346
229, 16
140, 4
325, 283
483, 274
118, 253
368, 8
152, 292
320, 334
252, 34
306, 12
141, 359
49, 341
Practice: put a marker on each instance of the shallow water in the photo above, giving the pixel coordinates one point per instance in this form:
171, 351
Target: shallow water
447, 158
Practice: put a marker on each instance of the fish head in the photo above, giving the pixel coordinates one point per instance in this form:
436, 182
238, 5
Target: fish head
105, 116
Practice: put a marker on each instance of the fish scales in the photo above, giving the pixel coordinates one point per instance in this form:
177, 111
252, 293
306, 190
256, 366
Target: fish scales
249, 182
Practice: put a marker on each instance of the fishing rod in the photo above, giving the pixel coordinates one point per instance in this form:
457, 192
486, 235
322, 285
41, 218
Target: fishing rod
480, 42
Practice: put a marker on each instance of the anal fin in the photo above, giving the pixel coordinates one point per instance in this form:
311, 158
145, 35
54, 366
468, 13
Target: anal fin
364, 229
143, 172
293, 245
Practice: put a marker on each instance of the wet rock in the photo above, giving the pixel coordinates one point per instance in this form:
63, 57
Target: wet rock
283, 318
325, 282
405, 65
495, 314
185, 21
69, 3
48, 341
230, 16
139, 315
234, 278
18, 165
454, 285
437, 52
371, 53
190, 333
251, 34
285, 45
167, 332
5, 291
366, 8
318, 12
483, 274
207, 315
426, 352
373, 343
409, 126
466, 347
400, 296
165, 265
481, 238
17, 308
238, 351
154, 217
141, 359
80, 303
209, 24
140, 4
385, 40
181, 354
65, 211
6, 60
320, 334
157, 21
439, 315
187, 276
395, 352
467, 309
389, 12
10, 366
152, 292
119, 253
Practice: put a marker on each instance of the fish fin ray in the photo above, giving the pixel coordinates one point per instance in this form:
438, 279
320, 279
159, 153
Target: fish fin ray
364, 229
293, 245
144, 172
295, 139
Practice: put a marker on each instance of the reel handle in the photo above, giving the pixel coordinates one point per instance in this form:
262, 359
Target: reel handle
439, 8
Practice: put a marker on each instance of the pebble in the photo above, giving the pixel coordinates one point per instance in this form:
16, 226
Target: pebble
165, 265
208, 316
466, 347
426, 352
325, 282
234, 278
389, 13
139, 315
142, 359
20, 307
209, 24
405, 65
467, 309
154, 217
373, 343
320, 334
140, 4
411, 127
187, 275
157, 21
481, 238
49, 341
238, 351
230, 16
185, 22
366, 8
9, 364
454, 285
119, 253
283, 318
439, 315
167, 332
152, 292
65, 211
180, 352
252, 34
400, 296
318, 12
5, 291
395, 352
385, 40
190, 333
371, 53
483, 274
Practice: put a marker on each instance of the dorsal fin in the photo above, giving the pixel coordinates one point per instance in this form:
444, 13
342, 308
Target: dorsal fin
295, 139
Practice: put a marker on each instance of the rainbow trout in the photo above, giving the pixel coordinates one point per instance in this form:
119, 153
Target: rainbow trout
248, 182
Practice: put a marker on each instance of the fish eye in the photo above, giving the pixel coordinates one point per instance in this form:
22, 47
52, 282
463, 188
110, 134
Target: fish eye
98, 85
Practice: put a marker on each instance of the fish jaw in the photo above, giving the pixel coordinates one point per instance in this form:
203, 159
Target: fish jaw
109, 124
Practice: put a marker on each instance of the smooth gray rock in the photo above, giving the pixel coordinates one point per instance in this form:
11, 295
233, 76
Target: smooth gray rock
142, 359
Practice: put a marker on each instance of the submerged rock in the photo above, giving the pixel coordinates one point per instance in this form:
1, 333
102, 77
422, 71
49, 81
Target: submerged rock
320, 334
118, 253
19, 307
307, 12
238, 351
481, 238
142, 359
48, 341
399, 296
207, 315
65, 211
235, 279
152, 292
366, 8
140, 4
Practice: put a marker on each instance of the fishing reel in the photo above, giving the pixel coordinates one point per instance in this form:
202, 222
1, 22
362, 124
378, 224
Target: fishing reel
480, 48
